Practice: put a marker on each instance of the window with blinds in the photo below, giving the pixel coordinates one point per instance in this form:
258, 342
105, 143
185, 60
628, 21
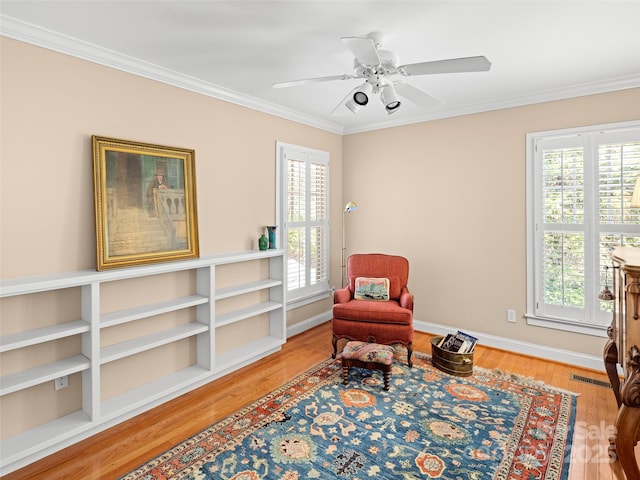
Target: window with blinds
580, 184
304, 206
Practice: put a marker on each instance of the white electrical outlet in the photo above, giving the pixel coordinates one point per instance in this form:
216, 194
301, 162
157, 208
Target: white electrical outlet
61, 382
511, 316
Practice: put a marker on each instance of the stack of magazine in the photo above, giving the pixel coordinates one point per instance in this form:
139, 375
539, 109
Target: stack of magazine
458, 343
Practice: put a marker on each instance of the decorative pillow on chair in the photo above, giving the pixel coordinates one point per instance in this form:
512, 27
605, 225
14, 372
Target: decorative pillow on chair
371, 289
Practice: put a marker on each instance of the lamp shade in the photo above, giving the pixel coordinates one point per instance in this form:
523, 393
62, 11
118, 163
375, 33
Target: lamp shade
350, 207
635, 198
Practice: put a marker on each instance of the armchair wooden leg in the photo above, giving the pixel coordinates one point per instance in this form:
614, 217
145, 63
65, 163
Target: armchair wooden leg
334, 342
409, 352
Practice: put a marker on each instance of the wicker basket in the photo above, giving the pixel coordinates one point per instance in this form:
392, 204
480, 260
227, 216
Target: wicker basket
458, 364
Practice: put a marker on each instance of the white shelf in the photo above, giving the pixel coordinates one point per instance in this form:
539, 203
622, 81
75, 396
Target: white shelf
141, 344
239, 357
247, 312
41, 335
132, 314
97, 413
43, 373
23, 286
43, 437
150, 392
227, 292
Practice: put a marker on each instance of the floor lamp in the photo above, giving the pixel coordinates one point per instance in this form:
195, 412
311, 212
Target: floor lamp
348, 208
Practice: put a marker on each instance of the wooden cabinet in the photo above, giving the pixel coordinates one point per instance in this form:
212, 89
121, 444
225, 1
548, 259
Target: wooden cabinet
623, 348
219, 301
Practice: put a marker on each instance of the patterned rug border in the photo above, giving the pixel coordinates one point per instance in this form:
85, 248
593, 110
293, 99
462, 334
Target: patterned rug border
478, 374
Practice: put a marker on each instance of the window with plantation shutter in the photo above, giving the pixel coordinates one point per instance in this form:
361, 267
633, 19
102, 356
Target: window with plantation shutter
304, 209
579, 187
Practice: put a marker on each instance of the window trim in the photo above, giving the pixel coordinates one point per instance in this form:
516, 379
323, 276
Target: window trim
533, 249
323, 290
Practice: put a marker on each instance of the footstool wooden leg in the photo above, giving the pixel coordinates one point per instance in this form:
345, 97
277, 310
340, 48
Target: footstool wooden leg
367, 355
409, 352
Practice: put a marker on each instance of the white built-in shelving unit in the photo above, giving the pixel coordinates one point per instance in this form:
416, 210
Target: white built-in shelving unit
259, 297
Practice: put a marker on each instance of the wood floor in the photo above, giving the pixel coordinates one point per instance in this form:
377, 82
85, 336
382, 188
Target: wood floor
122, 448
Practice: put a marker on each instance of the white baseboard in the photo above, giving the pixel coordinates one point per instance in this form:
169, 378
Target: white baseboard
517, 346
309, 323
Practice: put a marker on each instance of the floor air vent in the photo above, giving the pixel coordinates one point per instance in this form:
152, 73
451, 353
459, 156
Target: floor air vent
592, 381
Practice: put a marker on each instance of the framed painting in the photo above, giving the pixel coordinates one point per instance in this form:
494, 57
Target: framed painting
145, 203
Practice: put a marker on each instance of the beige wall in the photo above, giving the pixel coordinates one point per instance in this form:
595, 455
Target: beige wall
51, 104
450, 196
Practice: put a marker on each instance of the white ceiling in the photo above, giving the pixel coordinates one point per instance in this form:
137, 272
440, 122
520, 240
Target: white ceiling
235, 50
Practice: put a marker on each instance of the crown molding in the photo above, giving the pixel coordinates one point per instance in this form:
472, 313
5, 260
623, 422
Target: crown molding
35, 35
611, 85
41, 37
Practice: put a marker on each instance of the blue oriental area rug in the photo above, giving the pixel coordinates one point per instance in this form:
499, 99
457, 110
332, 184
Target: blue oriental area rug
428, 425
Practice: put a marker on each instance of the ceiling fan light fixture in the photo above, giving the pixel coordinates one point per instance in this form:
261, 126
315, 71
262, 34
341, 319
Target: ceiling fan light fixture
361, 95
351, 105
360, 98
390, 99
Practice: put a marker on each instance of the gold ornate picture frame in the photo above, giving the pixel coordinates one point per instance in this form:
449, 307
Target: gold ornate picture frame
145, 203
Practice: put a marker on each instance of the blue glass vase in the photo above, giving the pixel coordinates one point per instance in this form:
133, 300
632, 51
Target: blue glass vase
272, 236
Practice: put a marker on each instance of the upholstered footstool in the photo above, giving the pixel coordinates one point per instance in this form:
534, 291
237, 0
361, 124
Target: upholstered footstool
367, 355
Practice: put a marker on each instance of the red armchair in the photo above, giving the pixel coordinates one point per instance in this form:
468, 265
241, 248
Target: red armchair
384, 322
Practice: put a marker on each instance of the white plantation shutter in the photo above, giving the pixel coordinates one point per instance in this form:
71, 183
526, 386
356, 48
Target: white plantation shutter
580, 184
562, 185
305, 177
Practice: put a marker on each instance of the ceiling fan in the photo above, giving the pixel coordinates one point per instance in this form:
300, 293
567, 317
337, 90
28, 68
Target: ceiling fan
377, 66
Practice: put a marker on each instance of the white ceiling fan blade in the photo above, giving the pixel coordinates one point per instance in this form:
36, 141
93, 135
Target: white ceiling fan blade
364, 49
306, 81
416, 95
452, 65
